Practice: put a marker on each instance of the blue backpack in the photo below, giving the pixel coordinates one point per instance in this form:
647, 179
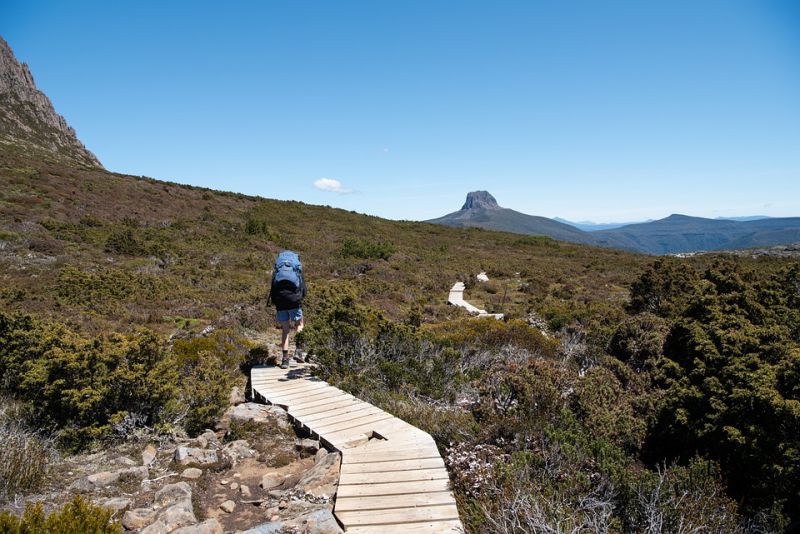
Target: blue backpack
288, 287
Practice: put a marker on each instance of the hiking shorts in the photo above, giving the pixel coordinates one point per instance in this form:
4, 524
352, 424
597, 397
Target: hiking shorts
283, 316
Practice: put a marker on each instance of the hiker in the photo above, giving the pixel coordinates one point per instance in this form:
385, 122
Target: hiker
287, 292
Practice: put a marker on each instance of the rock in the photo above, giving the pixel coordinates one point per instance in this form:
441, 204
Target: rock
317, 522
139, 472
173, 493
237, 450
103, 478
178, 515
276, 494
148, 455
159, 527
209, 526
234, 486
29, 118
271, 480
322, 453
124, 460
310, 446
137, 518
245, 491
223, 482
228, 506
480, 199
208, 438
322, 479
117, 503
236, 396
82, 485
237, 475
192, 473
189, 455
273, 527
258, 413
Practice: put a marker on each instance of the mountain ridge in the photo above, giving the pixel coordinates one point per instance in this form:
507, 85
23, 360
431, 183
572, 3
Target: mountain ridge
28, 118
676, 233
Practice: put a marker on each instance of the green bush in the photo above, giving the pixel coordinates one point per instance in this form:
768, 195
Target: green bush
367, 249
76, 517
124, 242
83, 386
208, 367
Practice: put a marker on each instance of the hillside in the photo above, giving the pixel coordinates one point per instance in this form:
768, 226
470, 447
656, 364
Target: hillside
681, 233
673, 234
620, 390
482, 211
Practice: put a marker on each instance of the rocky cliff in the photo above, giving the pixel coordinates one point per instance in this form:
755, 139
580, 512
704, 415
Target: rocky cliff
28, 119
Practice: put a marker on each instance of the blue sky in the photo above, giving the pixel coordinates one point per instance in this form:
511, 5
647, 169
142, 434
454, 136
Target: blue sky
606, 111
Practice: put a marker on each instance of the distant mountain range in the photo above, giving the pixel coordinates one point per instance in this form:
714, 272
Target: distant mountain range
589, 226
673, 234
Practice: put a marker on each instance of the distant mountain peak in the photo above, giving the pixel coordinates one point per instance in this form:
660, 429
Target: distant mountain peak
27, 117
480, 199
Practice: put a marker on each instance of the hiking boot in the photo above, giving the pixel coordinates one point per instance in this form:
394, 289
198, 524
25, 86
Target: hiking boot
285, 362
299, 355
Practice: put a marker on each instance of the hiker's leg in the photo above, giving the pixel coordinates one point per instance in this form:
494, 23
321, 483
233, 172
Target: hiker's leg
300, 324
286, 327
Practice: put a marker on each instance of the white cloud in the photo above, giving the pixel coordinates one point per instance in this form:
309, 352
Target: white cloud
334, 186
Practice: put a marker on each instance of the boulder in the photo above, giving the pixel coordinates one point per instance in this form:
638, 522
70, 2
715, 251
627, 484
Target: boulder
245, 491
158, 527
137, 518
237, 450
173, 493
271, 480
124, 460
139, 472
258, 413
82, 485
178, 515
190, 455
149, 455
103, 478
273, 527
317, 522
322, 479
116, 504
237, 396
322, 453
192, 473
209, 526
208, 439
228, 506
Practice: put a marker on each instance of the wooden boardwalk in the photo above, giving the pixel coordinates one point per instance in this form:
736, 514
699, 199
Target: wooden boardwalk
456, 298
392, 478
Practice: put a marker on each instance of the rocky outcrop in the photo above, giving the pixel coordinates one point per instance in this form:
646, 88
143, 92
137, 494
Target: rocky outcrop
27, 117
480, 200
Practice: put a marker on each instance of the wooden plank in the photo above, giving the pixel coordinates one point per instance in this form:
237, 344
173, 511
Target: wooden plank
307, 395
367, 409
387, 467
393, 488
289, 386
409, 500
325, 408
312, 419
386, 427
350, 423
429, 527
392, 456
395, 516
334, 397
437, 473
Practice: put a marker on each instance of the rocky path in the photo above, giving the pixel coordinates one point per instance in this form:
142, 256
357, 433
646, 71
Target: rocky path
392, 477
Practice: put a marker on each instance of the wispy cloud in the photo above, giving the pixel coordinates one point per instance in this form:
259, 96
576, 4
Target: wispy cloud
334, 186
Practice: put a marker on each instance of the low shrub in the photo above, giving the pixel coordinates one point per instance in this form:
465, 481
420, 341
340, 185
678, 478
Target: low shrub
367, 249
25, 455
77, 516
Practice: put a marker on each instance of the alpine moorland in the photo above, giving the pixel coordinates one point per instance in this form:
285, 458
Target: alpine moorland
622, 392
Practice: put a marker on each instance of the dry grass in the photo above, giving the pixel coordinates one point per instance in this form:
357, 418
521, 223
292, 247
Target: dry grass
26, 456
